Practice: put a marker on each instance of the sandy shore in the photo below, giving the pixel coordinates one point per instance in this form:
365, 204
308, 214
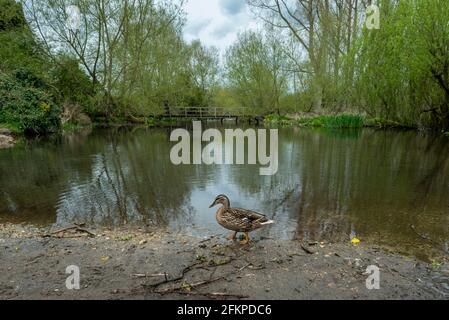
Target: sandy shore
149, 264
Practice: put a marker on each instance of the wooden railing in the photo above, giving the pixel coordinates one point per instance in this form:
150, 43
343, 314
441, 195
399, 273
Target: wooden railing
207, 112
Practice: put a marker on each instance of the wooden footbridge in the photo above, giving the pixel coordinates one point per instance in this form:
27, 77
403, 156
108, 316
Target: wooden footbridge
211, 113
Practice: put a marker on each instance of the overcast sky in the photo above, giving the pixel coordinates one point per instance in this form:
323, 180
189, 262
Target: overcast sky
217, 22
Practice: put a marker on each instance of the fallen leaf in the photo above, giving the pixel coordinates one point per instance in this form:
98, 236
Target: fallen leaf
126, 238
186, 286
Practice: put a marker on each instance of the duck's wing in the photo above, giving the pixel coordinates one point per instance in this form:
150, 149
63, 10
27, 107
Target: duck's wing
242, 220
247, 215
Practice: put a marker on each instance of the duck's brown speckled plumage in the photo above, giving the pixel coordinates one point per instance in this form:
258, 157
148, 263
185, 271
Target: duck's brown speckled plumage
240, 220
237, 219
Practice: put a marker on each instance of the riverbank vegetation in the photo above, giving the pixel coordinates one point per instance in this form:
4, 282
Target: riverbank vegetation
398, 72
126, 61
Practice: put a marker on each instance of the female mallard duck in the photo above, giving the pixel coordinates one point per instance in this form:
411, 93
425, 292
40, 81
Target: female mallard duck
238, 220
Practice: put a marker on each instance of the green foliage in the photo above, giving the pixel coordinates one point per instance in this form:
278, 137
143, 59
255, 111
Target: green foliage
71, 83
398, 74
254, 69
69, 127
26, 102
14, 128
224, 98
436, 265
338, 121
18, 49
343, 121
11, 15
28, 108
167, 121
151, 121
402, 69
278, 120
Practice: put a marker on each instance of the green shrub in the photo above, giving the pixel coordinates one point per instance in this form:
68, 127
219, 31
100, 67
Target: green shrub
317, 122
151, 121
72, 84
11, 15
343, 121
29, 109
338, 121
14, 128
277, 119
305, 121
27, 78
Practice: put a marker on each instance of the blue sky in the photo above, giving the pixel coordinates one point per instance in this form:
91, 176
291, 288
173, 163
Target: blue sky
217, 22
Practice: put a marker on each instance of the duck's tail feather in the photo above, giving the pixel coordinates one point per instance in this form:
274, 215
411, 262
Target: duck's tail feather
267, 222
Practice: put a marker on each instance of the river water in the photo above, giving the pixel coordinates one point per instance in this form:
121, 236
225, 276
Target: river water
385, 187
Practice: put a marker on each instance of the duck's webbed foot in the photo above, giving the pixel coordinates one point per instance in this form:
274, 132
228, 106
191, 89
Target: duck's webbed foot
246, 240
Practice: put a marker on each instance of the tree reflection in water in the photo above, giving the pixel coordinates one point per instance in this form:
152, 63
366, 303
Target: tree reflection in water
329, 184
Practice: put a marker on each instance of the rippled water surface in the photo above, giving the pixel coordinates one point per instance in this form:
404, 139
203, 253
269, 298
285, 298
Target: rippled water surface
390, 187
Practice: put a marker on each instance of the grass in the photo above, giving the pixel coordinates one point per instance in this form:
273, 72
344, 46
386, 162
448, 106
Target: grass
278, 120
436, 264
14, 128
339, 121
71, 127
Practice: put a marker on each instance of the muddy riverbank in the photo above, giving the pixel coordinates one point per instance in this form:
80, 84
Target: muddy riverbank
155, 264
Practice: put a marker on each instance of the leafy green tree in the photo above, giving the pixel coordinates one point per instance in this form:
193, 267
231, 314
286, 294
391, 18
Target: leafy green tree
28, 108
255, 72
26, 102
203, 67
402, 69
71, 83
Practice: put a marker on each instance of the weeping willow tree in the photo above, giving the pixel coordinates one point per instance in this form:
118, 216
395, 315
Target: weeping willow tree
398, 72
401, 71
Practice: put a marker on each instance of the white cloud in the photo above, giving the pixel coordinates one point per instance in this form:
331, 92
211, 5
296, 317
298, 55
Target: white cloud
232, 7
195, 27
217, 22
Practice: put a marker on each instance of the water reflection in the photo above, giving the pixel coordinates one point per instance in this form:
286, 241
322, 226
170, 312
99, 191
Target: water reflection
375, 184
